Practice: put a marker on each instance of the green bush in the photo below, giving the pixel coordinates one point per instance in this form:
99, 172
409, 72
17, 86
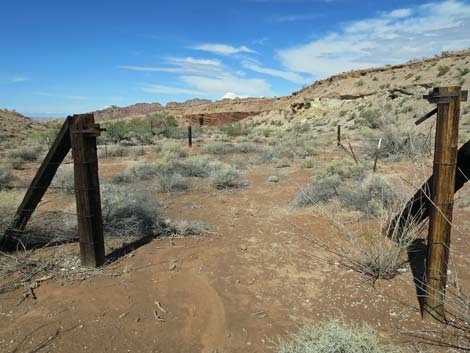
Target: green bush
137, 130
333, 337
274, 179
370, 118
130, 212
236, 129
216, 148
194, 166
25, 154
442, 70
145, 171
171, 182
245, 147
319, 191
6, 177
185, 227
163, 124
343, 168
373, 196
116, 151
64, 179
225, 177
173, 149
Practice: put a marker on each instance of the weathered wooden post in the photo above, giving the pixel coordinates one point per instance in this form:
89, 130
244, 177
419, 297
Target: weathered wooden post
83, 133
190, 137
338, 136
352, 153
442, 197
377, 155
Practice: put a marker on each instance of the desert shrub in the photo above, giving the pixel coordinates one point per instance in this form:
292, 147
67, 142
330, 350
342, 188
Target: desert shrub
274, 179
122, 178
359, 83
136, 130
9, 202
374, 195
64, 179
130, 212
399, 142
194, 166
43, 228
116, 151
319, 191
333, 337
216, 148
225, 177
163, 124
25, 154
184, 227
6, 177
343, 168
442, 70
245, 147
171, 148
308, 163
171, 182
370, 118
282, 163
236, 129
463, 71
146, 171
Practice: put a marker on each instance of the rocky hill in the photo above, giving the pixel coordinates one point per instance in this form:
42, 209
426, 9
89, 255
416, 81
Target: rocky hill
339, 99
15, 127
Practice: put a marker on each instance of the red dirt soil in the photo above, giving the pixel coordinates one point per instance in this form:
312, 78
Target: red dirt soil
255, 278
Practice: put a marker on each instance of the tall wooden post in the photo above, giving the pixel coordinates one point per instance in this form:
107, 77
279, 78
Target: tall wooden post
190, 137
83, 132
442, 196
338, 136
374, 169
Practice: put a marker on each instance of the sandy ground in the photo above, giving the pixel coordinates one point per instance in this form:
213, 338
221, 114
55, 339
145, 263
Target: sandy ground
256, 277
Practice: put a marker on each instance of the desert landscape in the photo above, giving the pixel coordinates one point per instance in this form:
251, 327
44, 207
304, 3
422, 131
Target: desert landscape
267, 235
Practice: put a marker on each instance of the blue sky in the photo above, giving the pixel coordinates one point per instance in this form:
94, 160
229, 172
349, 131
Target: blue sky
64, 57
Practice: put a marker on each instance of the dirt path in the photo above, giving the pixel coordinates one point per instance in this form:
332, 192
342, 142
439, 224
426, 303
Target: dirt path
257, 277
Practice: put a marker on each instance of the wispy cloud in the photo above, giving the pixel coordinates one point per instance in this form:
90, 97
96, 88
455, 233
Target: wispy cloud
296, 18
218, 86
286, 75
214, 87
223, 49
162, 89
392, 37
186, 65
19, 78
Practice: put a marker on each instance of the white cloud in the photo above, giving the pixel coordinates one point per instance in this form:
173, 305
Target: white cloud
231, 95
218, 86
193, 61
213, 87
289, 76
187, 65
223, 49
392, 37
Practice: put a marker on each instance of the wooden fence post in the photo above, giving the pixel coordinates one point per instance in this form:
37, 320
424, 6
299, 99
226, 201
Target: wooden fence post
190, 137
442, 196
338, 136
83, 132
377, 155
